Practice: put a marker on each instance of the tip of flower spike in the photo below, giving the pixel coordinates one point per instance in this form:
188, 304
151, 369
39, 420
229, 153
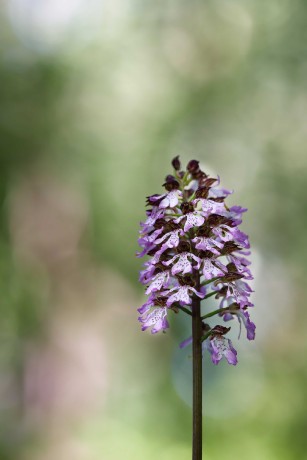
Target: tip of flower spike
176, 163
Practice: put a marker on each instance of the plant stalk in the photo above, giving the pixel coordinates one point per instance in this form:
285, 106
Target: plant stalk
197, 378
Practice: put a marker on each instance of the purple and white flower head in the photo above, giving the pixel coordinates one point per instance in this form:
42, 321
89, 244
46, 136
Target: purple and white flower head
195, 250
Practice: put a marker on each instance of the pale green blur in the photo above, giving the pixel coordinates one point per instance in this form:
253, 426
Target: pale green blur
94, 104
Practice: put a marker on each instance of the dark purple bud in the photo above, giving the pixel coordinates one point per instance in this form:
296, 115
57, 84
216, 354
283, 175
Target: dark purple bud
153, 251
193, 166
171, 225
231, 267
231, 277
186, 207
160, 301
235, 306
206, 254
186, 280
204, 230
160, 268
176, 163
160, 223
171, 183
222, 292
153, 200
202, 192
220, 330
166, 255
200, 176
215, 219
209, 181
183, 246
229, 247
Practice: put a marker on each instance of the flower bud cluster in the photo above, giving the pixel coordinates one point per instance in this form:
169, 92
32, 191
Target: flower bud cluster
195, 250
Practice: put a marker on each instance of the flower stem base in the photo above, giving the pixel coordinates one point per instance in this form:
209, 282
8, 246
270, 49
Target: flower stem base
197, 379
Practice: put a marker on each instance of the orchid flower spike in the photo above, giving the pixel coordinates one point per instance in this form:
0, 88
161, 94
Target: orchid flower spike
195, 250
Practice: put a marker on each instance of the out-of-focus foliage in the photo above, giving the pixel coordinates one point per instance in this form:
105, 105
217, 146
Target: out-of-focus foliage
95, 100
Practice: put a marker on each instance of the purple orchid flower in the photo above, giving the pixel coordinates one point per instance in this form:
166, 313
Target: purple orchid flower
183, 264
156, 319
241, 265
153, 216
168, 200
173, 238
161, 280
183, 295
207, 244
195, 249
243, 317
213, 268
209, 206
219, 347
216, 192
147, 241
193, 219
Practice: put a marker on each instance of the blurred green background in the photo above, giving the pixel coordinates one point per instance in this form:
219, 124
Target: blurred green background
96, 98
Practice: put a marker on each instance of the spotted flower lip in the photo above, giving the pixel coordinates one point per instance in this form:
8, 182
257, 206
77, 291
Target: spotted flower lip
213, 268
156, 319
207, 244
168, 200
182, 295
226, 233
153, 216
147, 242
158, 282
235, 292
209, 206
241, 265
171, 239
146, 274
183, 263
195, 250
192, 219
219, 347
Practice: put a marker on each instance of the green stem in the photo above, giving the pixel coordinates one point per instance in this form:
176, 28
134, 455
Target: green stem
209, 295
215, 312
205, 336
184, 179
197, 376
204, 283
192, 197
185, 310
